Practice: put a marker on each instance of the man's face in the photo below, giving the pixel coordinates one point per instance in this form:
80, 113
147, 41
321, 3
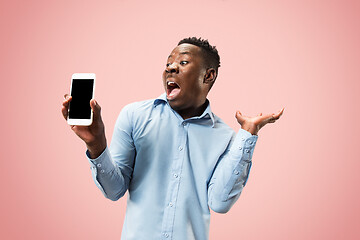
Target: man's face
183, 78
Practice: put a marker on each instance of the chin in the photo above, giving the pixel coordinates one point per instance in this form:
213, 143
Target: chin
176, 105
172, 103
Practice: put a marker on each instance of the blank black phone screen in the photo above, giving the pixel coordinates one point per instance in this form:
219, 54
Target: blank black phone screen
81, 92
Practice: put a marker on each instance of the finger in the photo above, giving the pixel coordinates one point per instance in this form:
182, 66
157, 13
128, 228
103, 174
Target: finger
278, 115
67, 99
96, 109
265, 119
65, 106
64, 111
282, 111
275, 117
270, 119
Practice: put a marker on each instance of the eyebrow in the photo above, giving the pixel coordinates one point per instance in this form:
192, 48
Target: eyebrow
182, 53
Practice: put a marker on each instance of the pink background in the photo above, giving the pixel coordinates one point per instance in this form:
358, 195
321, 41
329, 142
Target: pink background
303, 55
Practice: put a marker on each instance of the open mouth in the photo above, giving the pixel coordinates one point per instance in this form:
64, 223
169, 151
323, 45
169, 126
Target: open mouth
172, 90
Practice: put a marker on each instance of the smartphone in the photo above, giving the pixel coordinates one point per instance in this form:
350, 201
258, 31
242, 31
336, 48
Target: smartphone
82, 91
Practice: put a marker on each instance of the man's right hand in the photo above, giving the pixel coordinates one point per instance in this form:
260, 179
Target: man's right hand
93, 135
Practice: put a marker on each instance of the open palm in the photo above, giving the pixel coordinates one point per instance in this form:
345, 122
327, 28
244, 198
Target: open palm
254, 124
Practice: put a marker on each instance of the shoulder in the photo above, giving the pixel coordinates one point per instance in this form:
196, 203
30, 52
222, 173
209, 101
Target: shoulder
224, 131
136, 111
139, 106
220, 124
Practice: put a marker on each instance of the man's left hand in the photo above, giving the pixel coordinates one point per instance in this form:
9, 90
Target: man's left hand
254, 124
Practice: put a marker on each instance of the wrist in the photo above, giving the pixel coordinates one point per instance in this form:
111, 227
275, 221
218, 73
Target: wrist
250, 128
95, 149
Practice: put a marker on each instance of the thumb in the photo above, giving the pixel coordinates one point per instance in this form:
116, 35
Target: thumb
96, 108
239, 117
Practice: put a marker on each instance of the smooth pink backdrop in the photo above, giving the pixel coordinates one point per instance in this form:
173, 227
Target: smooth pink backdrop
303, 55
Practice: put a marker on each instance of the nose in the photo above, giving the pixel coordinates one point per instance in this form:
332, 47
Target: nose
172, 68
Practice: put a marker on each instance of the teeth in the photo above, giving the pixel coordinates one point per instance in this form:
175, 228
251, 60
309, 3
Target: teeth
172, 84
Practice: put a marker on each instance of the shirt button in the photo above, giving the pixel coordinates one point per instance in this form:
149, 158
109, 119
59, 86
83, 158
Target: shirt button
102, 171
236, 172
240, 148
175, 175
184, 124
242, 139
180, 148
166, 235
99, 165
170, 204
250, 142
247, 150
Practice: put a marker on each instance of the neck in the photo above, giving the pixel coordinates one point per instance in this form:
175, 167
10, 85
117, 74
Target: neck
192, 111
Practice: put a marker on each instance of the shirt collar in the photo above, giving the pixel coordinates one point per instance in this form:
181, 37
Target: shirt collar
160, 99
205, 114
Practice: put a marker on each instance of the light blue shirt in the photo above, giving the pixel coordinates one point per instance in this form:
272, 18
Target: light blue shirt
174, 170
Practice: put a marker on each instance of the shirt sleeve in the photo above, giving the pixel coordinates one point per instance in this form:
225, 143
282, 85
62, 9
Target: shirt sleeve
112, 170
231, 173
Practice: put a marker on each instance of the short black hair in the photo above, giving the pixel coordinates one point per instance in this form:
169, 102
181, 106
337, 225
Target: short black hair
211, 55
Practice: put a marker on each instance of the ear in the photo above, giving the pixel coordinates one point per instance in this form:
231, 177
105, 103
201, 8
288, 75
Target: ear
210, 76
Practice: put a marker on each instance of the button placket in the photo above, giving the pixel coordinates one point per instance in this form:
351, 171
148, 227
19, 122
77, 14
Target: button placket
173, 188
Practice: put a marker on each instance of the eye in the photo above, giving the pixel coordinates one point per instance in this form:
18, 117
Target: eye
168, 64
184, 62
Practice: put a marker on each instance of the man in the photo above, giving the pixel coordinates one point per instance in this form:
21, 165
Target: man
174, 156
